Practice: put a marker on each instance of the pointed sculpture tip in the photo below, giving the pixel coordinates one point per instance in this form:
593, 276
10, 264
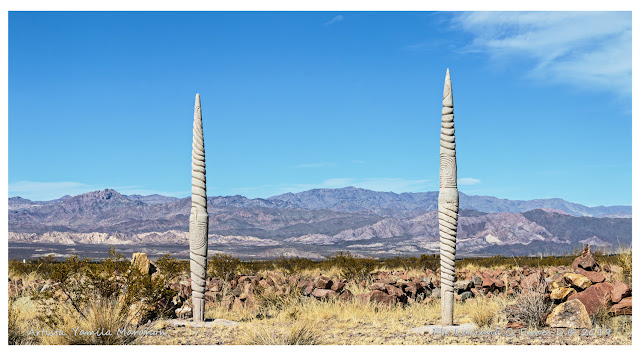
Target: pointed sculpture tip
447, 96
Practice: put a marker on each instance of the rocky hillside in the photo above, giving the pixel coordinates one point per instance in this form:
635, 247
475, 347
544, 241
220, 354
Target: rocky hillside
320, 222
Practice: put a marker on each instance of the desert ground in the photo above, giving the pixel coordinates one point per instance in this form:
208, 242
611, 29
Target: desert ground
580, 299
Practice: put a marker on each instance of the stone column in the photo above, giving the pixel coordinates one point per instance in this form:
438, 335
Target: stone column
199, 219
447, 203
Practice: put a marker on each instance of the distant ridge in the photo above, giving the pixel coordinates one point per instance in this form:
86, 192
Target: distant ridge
351, 199
321, 222
356, 199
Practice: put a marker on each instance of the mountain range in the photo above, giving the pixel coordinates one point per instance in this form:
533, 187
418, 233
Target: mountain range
320, 222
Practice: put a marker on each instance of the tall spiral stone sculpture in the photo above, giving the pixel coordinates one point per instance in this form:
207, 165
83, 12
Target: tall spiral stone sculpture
447, 203
199, 219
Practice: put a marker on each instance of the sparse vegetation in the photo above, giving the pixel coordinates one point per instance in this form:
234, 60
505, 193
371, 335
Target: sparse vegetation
110, 295
223, 266
299, 333
531, 306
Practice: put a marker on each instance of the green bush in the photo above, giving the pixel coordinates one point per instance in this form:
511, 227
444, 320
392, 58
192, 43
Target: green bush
225, 267
352, 268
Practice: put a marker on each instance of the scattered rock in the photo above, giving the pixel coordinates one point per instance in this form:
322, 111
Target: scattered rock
227, 302
594, 277
516, 325
346, 295
380, 297
532, 281
184, 312
463, 286
620, 290
338, 286
562, 293
324, 293
622, 308
586, 261
323, 282
595, 297
466, 295
140, 261
570, 314
577, 280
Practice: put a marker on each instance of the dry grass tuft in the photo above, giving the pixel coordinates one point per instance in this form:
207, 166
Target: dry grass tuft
485, 312
299, 333
623, 260
103, 324
21, 315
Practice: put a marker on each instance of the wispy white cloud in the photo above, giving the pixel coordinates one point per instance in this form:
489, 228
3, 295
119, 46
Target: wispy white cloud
584, 49
334, 20
314, 165
358, 161
42, 191
468, 181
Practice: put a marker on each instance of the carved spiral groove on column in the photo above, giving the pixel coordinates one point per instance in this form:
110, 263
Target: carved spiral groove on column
198, 170
448, 199
199, 219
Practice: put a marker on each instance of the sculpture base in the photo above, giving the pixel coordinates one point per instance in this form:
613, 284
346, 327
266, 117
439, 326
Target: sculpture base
453, 330
209, 323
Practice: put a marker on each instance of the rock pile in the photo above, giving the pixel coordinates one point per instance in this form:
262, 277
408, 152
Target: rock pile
589, 284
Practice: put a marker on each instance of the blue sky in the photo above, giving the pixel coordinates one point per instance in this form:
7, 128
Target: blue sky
299, 100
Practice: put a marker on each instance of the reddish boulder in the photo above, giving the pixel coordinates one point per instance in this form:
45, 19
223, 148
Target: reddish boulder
622, 308
392, 290
323, 282
270, 281
338, 286
211, 296
263, 283
516, 325
620, 291
346, 295
594, 277
227, 302
595, 297
324, 293
413, 288
532, 281
378, 286
587, 261
378, 297
307, 289
237, 305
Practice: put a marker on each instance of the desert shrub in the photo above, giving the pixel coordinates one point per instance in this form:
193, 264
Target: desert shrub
293, 265
351, 267
531, 305
86, 285
401, 262
170, 267
223, 266
150, 295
